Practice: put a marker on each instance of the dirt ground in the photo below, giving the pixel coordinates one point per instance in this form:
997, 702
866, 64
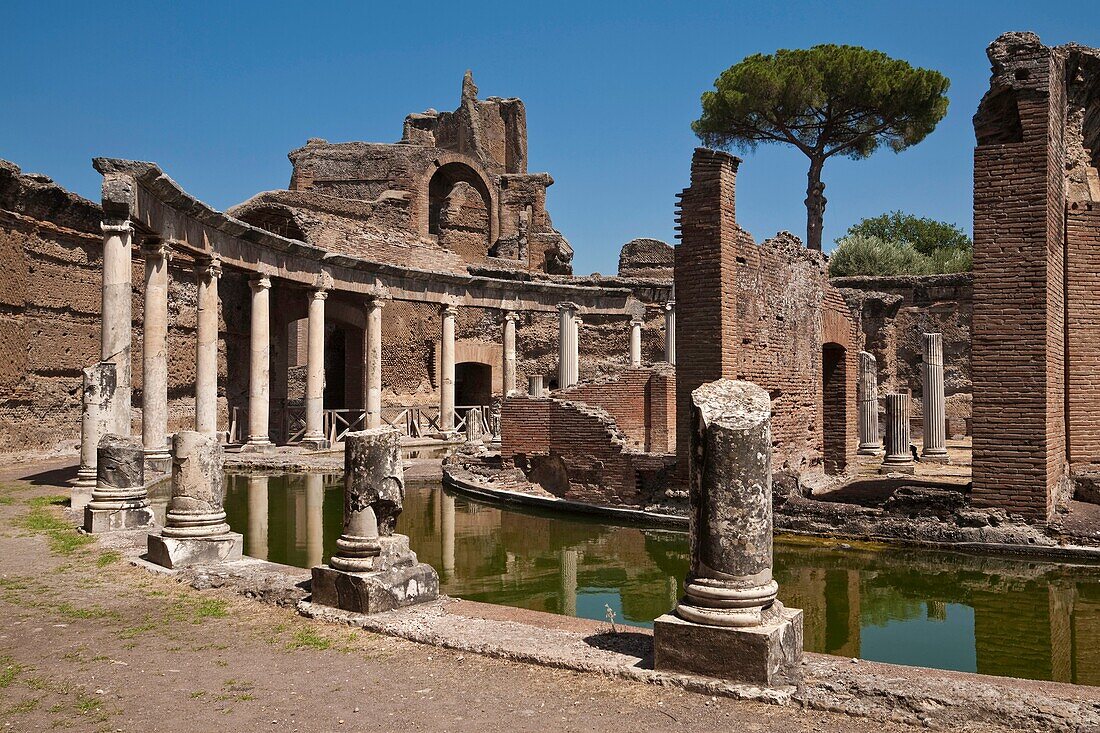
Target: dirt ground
91, 643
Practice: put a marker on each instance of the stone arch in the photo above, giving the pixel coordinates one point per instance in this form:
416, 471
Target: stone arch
275, 219
452, 168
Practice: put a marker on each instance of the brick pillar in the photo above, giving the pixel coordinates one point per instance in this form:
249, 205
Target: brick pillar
706, 259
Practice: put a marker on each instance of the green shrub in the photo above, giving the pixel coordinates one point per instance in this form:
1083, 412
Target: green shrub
859, 254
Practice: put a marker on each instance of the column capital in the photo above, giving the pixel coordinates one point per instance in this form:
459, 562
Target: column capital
448, 309
209, 266
377, 300
511, 316
155, 247
318, 293
568, 306
259, 282
116, 226
670, 305
637, 320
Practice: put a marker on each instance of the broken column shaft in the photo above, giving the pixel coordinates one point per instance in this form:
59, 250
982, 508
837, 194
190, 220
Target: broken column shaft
898, 457
729, 623
119, 499
869, 442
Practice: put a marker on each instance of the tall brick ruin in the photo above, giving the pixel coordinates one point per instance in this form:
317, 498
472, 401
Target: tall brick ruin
1036, 322
763, 313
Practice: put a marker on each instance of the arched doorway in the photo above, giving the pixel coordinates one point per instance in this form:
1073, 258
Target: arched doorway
834, 408
473, 384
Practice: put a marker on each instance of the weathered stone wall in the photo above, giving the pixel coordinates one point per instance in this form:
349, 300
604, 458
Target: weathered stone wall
762, 313
1083, 336
891, 313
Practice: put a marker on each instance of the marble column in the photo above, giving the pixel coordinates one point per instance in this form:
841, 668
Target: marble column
315, 518
257, 517
195, 531
259, 366
207, 272
567, 345
372, 352
935, 413
636, 341
898, 458
116, 336
315, 372
447, 369
373, 569
154, 357
95, 418
509, 371
867, 388
534, 385
729, 623
670, 332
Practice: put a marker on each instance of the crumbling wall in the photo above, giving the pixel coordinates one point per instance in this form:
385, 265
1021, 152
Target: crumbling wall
646, 257
638, 400
891, 313
762, 313
1034, 292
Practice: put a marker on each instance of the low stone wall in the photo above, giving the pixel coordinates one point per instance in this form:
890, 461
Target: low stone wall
580, 451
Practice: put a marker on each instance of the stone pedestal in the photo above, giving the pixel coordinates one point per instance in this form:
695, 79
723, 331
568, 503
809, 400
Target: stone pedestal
935, 416
767, 655
729, 623
119, 500
195, 531
899, 458
373, 569
867, 388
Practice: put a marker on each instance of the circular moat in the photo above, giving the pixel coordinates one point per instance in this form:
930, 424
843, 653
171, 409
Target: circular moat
946, 610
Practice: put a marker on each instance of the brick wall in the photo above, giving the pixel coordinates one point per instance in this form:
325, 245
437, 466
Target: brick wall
761, 313
1083, 331
601, 462
1018, 339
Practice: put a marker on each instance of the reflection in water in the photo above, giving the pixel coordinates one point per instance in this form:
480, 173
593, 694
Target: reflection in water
935, 609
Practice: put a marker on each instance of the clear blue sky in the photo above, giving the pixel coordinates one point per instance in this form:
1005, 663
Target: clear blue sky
218, 93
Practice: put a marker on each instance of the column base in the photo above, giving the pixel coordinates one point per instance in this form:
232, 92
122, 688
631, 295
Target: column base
869, 449
769, 655
117, 520
258, 447
935, 457
899, 467
79, 497
183, 552
85, 478
315, 443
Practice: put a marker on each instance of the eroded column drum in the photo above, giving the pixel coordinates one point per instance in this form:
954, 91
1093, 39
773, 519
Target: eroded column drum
196, 509
730, 582
374, 495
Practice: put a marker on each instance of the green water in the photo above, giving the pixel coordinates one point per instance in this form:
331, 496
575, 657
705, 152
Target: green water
933, 609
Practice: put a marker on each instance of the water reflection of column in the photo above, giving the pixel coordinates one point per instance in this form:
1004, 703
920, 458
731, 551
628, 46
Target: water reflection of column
315, 535
257, 517
569, 582
1062, 647
448, 533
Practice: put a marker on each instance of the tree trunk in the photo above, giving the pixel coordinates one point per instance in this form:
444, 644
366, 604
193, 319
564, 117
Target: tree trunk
815, 204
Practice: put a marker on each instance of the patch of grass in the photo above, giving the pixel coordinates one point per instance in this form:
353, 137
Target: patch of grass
86, 704
7, 500
24, 707
64, 539
210, 608
9, 670
68, 610
197, 694
309, 639
36, 683
110, 557
49, 500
